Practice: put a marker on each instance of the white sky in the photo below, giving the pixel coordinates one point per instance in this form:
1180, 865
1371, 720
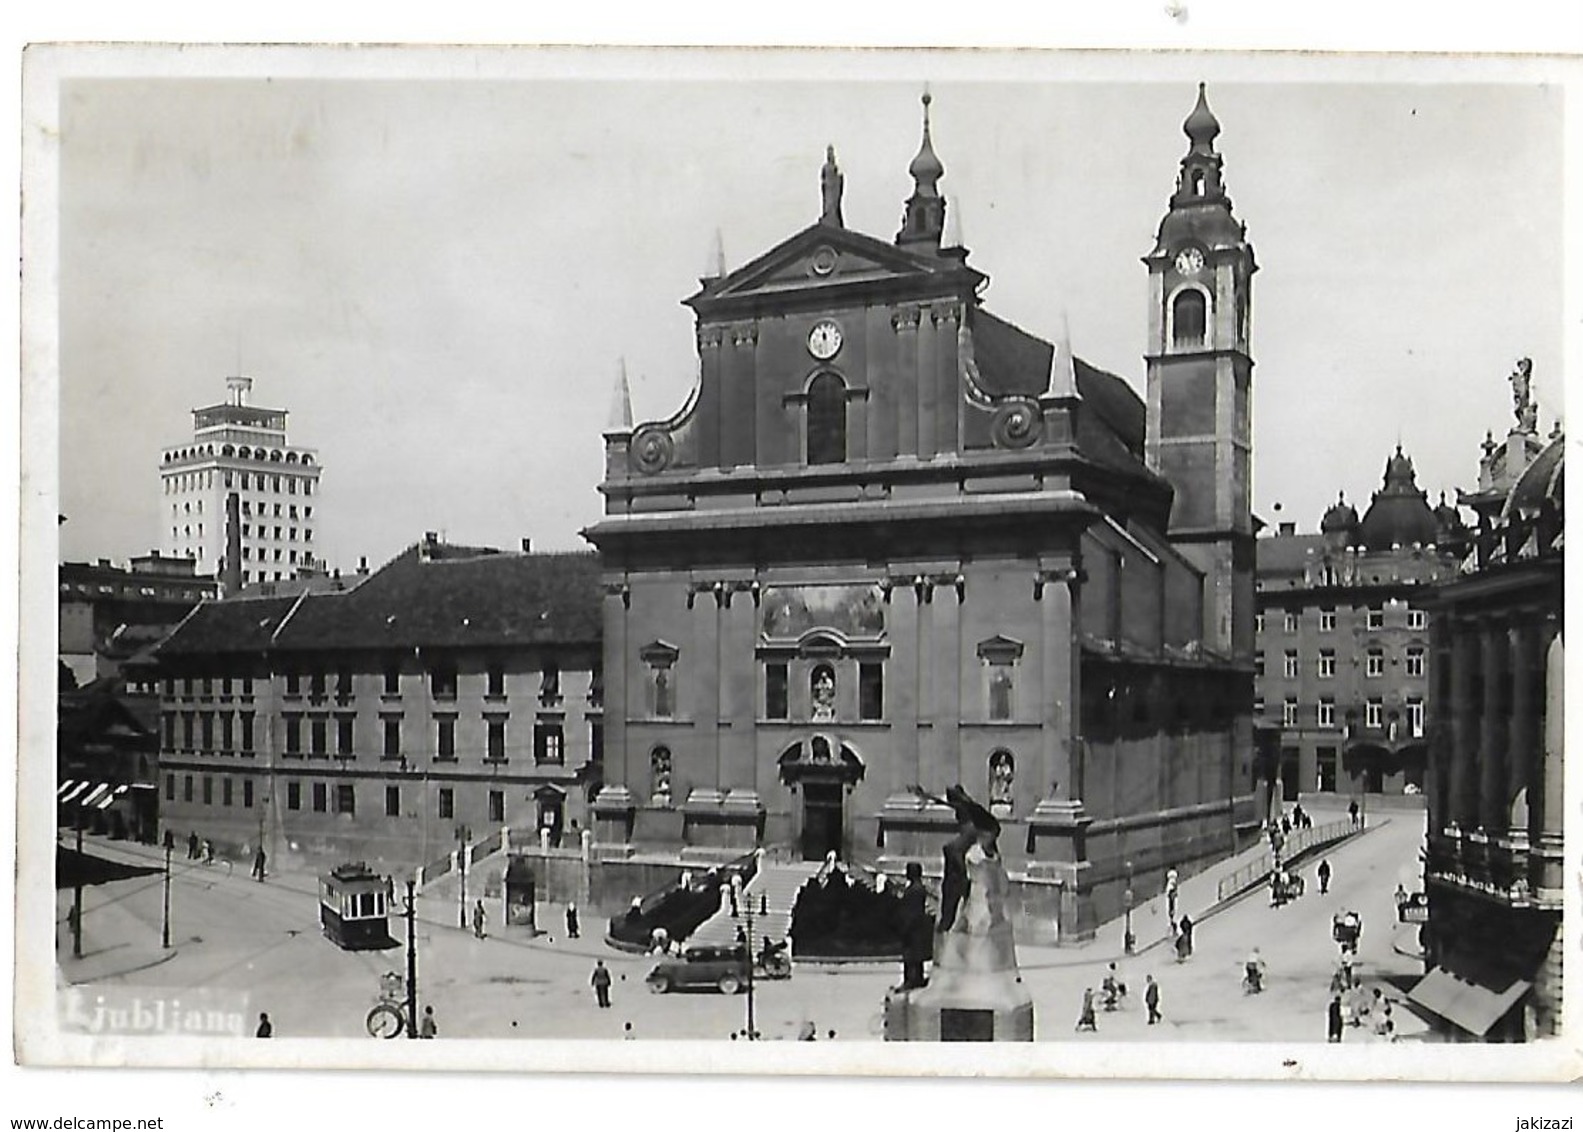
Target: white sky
437, 278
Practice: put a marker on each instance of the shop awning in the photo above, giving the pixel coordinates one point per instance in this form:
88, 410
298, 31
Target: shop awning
1471, 1003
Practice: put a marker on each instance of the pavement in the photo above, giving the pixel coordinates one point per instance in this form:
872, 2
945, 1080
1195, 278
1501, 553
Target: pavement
260, 942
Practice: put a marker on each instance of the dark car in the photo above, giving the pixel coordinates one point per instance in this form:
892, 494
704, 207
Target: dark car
723, 967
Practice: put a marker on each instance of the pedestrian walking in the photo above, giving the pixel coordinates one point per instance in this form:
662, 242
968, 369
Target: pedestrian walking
1085, 1017
1352, 813
1185, 946
1333, 1020
192, 846
1151, 998
266, 1028
1286, 826
1401, 894
258, 864
917, 929
428, 1029
170, 839
478, 920
1171, 881
1324, 877
1298, 814
601, 984
208, 851
626, 1033
571, 921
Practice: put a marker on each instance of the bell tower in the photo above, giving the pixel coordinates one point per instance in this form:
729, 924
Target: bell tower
1200, 383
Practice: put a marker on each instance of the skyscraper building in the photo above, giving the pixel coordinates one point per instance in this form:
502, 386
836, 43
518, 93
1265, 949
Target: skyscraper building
241, 448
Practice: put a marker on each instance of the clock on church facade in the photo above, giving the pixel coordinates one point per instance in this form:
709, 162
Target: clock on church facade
892, 540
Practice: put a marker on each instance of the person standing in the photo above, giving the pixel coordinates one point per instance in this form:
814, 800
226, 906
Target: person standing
571, 921
1185, 945
258, 864
1352, 813
478, 920
192, 846
1324, 877
428, 1029
917, 931
1085, 1017
1334, 1024
1171, 881
266, 1028
601, 984
1151, 998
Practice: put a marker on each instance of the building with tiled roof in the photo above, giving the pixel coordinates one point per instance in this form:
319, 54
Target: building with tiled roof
1494, 866
1342, 675
892, 539
454, 688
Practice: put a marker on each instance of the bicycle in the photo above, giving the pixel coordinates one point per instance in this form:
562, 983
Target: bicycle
388, 1018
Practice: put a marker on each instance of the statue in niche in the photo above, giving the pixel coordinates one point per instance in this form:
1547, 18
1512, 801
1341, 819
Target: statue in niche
822, 686
660, 766
1002, 779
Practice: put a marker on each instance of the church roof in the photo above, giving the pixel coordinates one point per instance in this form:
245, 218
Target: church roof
1400, 515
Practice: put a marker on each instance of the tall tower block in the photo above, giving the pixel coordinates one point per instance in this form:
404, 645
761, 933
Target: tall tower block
1200, 383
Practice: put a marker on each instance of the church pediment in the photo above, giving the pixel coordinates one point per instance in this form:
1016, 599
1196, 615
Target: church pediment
822, 257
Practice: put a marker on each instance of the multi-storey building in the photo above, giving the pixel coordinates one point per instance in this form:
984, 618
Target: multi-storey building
108, 612
239, 449
1494, 869
892, 539
1343, 660
456, 689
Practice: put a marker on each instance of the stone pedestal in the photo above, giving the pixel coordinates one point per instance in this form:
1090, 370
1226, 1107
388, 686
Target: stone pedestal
975, 992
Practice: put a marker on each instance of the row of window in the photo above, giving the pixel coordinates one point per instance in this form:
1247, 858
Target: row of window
443, 683
310, 735
1374, 619
1373, 663
319, 797
1374, 716
243, 481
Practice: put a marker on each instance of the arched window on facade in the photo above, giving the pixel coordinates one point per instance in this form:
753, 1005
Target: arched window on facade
1188, 318
827, 420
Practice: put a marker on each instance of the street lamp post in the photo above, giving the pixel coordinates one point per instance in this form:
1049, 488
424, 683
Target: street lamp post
748, 913
461, 864
164, 924
76, 896
412, 962
1128, 941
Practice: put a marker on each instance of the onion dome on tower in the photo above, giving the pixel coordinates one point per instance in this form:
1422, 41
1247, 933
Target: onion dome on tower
1340, 524
923, 219
1200, 208
1400, 514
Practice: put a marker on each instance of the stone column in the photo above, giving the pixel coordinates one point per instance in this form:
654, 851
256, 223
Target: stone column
905, 322
928, 395
702, 688
1461, 792
1522, 742
1492, 729
1552, 806
616, 661
925, 662
1059, 661
901, 691
947, 651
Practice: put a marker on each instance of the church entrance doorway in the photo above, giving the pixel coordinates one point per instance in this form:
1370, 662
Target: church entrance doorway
822, 819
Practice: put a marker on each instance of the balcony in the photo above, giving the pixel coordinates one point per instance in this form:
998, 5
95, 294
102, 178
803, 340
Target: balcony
1506, 867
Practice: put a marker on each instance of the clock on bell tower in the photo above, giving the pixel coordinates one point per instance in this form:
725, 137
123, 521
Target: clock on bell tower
1200, 382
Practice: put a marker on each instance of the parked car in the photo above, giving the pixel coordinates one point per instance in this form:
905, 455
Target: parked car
722, 967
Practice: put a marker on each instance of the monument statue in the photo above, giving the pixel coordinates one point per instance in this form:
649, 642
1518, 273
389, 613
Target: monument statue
1522, 395
974, 991
830, 184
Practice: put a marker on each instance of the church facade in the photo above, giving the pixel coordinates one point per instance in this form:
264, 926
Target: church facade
893, 541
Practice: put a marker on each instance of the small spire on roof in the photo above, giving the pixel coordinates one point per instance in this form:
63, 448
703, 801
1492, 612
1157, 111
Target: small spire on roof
621, 402
1063, 368
717, 255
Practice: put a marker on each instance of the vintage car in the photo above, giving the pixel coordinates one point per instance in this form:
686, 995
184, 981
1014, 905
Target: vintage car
723, 967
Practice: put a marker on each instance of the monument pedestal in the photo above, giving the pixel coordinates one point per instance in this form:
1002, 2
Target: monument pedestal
975, 993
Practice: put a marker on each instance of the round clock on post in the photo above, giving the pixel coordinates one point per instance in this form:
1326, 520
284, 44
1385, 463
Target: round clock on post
824, 340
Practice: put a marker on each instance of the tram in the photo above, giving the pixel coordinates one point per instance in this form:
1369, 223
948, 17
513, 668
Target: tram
353, 911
